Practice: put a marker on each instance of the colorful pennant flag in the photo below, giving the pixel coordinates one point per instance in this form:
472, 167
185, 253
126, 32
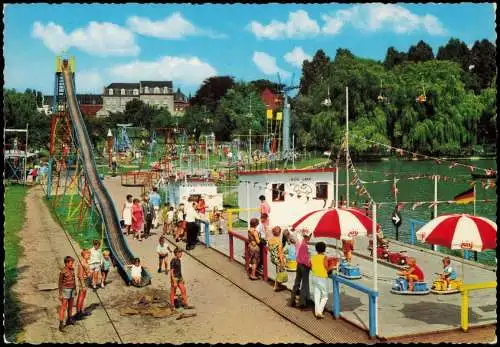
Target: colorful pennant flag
465, 197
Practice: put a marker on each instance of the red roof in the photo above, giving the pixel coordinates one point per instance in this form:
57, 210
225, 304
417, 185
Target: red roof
271, 100
90, 110
285, 171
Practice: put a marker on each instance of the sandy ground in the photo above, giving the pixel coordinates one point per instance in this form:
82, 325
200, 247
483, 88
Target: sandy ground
224, 312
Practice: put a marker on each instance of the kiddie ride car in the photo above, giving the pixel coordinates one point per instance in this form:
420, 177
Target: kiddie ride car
398, 258
439, 285
400, 286
349, 271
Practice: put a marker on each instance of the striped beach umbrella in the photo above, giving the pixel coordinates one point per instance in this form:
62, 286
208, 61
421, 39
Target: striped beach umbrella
460, 231
337, 223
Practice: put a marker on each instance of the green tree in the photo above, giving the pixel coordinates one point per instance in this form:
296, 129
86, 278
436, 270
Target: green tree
394, 57
483, 58
311, 71
420, 53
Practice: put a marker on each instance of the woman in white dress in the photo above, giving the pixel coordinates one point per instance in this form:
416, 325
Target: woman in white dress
127, 214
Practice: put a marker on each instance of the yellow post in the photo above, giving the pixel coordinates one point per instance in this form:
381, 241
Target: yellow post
465, 311
464, 291
230, 219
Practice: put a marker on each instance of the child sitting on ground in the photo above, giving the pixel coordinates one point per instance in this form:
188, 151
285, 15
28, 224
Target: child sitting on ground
83, 279
95, 262
176, 280
106, 265
136, 272
449, 273
163, 251
67, 289
414, 273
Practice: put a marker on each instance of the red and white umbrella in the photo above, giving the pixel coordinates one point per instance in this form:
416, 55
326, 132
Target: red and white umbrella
460, 231
337, 223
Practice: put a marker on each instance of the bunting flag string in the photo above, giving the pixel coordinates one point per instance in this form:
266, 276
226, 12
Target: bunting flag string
437, 160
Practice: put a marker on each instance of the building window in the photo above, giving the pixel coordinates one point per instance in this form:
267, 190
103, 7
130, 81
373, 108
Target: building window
321, 190
165, 90
278, 192
146, 90
157, 90
136, 91
123, 91
110, 91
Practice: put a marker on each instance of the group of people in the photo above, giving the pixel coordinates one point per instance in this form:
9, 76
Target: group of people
94, 262
139, 217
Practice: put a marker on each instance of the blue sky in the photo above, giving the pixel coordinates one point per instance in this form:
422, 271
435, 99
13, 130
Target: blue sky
188, 43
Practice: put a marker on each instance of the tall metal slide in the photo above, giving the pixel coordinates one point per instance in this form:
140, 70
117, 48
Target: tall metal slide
105, 205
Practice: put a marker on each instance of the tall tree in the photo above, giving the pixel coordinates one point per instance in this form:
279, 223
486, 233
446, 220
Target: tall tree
420, 53
394, 57
211, 91
311, 71
455, 50
483, 58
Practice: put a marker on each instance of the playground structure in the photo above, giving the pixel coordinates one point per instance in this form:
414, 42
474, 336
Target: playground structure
74, 187
16, 156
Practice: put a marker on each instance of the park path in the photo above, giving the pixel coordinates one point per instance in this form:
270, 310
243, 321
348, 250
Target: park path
224, 312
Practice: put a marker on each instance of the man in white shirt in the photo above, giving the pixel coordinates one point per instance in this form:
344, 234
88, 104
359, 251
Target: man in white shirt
192, 226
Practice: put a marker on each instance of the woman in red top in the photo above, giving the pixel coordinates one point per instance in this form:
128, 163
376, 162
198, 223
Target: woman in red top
137, 219
201, 206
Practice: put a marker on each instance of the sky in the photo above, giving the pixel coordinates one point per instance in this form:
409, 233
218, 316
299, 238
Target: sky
188, 43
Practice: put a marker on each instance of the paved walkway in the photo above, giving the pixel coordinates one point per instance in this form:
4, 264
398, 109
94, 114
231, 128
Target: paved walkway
398, 315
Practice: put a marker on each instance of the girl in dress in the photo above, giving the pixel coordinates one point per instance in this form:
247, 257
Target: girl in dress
127, 214
137, 219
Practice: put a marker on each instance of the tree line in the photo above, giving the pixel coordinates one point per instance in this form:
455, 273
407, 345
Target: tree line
457, 117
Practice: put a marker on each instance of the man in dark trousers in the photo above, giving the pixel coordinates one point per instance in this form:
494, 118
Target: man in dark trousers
303, 268
149, 215
192, 226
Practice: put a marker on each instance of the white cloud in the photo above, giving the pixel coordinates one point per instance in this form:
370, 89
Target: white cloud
267, 64
299, 25
374, 17
189, 71
296, 57
101, 39
88, 82
173, 27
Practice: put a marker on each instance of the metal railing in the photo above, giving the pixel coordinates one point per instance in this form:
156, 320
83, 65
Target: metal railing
464, 291
372, 296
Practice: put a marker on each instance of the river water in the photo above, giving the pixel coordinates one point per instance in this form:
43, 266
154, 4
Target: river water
453, 181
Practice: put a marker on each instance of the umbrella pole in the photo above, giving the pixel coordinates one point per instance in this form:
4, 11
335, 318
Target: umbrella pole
374, 252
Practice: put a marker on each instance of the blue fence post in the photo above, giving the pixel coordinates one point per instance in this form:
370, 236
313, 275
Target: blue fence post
372, 315
335, 298
207, 234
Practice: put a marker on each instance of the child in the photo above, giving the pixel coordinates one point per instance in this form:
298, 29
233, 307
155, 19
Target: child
319, 279
176, 280
170, 220
136, 272
67, 288
288, 241
163, 250
347, 248
106, 265
449, 273
83, 277
95, 262
414, 273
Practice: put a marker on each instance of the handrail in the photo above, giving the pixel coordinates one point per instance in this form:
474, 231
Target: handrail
372, 296
464, 291
243, 238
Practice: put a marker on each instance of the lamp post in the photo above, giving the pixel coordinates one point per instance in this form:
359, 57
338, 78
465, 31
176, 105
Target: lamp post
110, 146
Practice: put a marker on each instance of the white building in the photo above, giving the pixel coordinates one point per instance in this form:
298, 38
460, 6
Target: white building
290, 193
192, 189
155, 93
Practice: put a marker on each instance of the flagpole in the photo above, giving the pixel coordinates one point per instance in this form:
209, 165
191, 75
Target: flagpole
374, 254
475, 252
347, 144
434, 248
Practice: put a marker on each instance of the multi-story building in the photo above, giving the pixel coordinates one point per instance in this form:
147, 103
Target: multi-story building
181, 102
155, 93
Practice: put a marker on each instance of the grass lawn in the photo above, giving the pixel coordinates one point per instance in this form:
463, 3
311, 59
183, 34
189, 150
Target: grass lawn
15, 214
